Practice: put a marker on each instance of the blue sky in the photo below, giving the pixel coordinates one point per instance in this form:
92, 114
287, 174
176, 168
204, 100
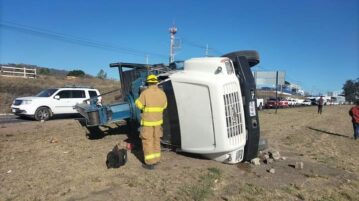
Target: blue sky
316, 42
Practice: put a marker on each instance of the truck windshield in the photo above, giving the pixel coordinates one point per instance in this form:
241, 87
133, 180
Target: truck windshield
46, 93
229, 67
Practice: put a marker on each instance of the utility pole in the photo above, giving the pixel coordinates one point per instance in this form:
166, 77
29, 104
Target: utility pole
173, 31
146, 58
276, 92
207, 50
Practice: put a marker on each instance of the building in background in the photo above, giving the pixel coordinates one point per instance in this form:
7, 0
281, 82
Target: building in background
266, 81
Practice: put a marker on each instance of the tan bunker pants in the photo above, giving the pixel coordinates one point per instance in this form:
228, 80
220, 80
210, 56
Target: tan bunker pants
150, 136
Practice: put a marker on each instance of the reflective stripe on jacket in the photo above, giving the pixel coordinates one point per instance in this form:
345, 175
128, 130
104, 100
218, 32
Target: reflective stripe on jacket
152, 102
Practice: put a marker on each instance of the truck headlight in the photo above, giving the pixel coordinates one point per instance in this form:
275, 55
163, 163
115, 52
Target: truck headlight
26, 102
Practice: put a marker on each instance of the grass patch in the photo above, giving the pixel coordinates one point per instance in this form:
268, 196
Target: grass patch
252, 189
204, 187
344, 192
251, 192
294, 190
313, 175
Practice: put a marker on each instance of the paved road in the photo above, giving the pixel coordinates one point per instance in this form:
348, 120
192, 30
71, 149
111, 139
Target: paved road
10, 118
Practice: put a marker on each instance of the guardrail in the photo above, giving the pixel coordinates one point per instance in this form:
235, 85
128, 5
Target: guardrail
23, 72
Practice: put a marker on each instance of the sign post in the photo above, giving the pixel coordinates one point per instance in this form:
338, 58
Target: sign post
276, 92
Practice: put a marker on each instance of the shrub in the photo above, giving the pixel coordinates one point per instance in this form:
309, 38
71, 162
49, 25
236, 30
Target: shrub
76, 73
44, 71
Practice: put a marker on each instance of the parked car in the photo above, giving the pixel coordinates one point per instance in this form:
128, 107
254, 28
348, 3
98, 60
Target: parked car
53, 101
306, 102
300, 102
292, 102
273, 103
333, 103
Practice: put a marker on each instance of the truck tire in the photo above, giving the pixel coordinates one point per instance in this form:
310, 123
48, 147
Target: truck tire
43, 113
251, 55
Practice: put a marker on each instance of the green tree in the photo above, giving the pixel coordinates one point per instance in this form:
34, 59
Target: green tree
101, 75
351, 90
44, 71
76, 73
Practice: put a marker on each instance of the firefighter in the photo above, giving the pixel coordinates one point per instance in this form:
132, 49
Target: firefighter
152, 102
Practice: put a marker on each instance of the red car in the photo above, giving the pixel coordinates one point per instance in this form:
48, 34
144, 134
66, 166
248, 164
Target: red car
272, 103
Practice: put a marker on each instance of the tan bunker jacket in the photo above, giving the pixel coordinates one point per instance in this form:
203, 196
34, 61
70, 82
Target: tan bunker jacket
152, 102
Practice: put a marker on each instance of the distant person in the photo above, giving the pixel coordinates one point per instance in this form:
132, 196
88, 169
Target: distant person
320, 105
354, 113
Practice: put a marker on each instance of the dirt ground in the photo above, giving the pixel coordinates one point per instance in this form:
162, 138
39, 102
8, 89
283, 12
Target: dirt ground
55, 160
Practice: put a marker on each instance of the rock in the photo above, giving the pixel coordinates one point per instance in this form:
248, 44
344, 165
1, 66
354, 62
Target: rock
255, 161
283, 158
299, 165
275, 155
272, 170
225, 198
54, 140
8, 172
269, 160
264, 157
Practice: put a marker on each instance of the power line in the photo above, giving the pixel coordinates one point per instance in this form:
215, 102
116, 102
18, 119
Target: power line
75, 39
200, 46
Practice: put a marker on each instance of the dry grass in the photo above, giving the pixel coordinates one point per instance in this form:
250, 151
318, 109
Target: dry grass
202, 189
74, 167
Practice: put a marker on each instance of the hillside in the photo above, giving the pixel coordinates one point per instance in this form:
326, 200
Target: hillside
10, 88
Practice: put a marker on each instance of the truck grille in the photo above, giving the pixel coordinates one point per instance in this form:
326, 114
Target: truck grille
233, 112
17, 102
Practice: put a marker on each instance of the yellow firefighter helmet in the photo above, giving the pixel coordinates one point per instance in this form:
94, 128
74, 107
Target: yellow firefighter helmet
152, 78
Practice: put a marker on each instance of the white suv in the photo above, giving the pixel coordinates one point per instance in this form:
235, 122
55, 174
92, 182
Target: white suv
51, 102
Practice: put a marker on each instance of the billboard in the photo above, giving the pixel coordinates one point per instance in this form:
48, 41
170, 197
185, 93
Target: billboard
269, 77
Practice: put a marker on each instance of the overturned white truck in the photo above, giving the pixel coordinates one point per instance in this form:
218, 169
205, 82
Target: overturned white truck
211, 105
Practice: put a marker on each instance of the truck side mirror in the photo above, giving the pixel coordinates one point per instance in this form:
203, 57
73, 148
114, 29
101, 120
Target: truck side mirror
57, 97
